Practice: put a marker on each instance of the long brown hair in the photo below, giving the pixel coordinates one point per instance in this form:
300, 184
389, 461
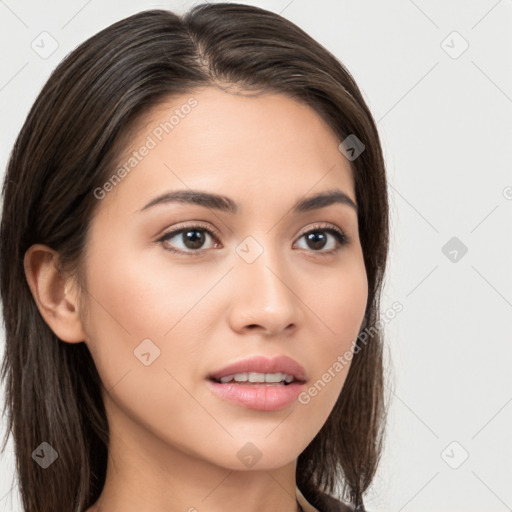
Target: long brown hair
69, 145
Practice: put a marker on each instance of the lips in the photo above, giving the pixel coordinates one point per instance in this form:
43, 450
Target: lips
241, 383
262, 365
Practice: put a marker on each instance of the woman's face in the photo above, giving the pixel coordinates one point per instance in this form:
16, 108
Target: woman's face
268, 280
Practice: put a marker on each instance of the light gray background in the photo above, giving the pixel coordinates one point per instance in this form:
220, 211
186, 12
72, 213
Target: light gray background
446, 126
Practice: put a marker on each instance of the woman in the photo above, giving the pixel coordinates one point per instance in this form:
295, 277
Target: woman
194, 238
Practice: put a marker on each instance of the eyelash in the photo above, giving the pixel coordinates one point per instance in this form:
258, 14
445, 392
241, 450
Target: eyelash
341, 238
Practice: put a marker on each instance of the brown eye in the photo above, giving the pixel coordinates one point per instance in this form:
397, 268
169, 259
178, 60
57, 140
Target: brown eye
191, 238
187, 240
317, 239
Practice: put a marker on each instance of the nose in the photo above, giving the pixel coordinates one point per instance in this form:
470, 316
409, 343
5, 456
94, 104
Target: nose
264, 298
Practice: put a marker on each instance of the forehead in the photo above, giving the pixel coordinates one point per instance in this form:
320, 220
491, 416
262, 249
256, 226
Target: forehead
250, 146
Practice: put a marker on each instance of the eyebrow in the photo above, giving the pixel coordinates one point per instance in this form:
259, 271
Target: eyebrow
226, 204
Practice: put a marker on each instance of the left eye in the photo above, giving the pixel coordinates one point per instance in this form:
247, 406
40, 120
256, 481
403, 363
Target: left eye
318, 239
193, 239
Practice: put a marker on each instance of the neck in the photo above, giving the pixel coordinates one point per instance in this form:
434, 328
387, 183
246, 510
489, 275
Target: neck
144, 473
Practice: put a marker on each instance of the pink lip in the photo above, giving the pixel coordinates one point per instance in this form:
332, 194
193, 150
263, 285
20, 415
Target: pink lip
260, 396
262, 364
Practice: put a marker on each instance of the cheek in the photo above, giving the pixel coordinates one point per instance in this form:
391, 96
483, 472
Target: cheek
138, 299
145, 304
140, 315
340, 305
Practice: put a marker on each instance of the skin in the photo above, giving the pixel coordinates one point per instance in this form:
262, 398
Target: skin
174, 444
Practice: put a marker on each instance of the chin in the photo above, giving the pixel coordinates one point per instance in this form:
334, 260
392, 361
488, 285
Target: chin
261, 452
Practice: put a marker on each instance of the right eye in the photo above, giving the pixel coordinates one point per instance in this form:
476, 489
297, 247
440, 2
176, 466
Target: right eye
191, 237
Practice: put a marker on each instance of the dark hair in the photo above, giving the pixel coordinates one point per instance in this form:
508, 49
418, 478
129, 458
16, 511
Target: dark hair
69, 145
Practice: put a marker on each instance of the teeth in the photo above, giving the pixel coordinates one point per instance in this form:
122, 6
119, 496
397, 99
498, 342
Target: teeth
258, 377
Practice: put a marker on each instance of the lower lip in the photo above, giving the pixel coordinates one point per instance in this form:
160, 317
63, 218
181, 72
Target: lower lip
261, 397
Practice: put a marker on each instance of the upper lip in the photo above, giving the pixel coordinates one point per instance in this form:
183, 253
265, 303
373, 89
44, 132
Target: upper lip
262, 364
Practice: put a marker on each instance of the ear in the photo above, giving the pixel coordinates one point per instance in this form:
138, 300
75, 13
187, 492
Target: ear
57, 305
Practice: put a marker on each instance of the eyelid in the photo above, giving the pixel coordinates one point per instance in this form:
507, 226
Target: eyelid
189, 225
320, 226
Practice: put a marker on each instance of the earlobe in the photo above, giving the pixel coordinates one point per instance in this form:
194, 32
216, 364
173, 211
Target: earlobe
51, 292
